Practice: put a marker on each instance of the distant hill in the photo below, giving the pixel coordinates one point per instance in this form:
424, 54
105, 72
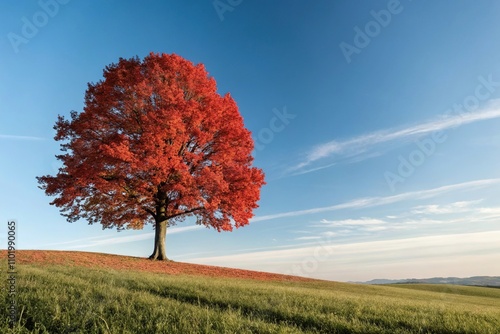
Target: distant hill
492, 281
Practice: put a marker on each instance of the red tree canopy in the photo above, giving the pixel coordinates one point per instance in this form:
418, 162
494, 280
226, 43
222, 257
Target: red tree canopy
155, 142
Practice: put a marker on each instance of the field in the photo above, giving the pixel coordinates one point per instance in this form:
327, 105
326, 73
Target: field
72, 292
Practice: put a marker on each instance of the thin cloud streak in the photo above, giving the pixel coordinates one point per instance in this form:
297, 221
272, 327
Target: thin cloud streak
457, 207
378, 201
313, 169
134, 238
105, 241
361, 144
14, 137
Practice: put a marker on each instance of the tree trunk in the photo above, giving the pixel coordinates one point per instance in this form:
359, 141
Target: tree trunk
159, 252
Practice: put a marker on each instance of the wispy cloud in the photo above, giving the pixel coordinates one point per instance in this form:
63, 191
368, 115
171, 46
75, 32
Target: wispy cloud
362, 144
349, 227
353, 222
313, 169
467, 211
106, 241
307, 238
14, 137
457, 207
457, 216
378, 201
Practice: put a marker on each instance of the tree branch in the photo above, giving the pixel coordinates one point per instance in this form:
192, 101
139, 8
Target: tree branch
151, 212
185, 212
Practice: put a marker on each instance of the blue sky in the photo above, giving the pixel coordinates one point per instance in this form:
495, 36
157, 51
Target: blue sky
376, 124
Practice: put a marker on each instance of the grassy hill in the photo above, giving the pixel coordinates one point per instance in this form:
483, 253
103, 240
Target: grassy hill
76, 292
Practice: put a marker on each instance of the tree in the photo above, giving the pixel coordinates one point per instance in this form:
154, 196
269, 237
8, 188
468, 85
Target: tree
155, 144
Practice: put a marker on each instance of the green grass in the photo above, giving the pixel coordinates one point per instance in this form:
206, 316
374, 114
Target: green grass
58, 299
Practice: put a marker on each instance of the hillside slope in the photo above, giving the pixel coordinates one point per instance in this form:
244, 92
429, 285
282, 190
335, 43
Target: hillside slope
120, 262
